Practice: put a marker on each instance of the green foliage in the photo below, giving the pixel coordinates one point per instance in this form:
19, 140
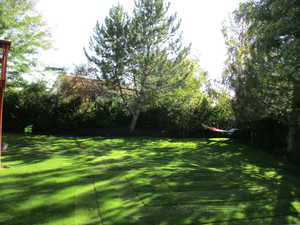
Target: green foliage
34, 108
221, 112
21, 24
109, 50
263, 62
183, 109
22, 106
33, 105
28, 129
140, 57
178, 112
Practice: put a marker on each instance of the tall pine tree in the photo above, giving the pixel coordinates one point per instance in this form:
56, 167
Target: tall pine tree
142, 57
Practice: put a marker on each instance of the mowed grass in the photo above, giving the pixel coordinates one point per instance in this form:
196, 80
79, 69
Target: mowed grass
89, 181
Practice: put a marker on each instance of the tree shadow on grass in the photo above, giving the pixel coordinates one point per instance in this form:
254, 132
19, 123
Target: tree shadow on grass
34, 198
34, 194
145, 181
216, 182
276, 190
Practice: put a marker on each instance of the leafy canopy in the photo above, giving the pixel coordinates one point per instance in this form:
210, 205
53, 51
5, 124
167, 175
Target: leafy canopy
21, 24
263, 63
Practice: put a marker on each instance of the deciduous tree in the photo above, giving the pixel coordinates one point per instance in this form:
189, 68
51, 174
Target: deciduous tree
23, 25
269, 72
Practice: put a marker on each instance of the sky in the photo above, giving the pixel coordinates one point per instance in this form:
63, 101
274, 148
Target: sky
71, 23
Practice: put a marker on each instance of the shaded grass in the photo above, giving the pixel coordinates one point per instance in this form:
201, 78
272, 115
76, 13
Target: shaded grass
89, 181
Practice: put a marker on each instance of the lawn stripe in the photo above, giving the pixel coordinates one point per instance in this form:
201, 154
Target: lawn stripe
278, 219
86, 208
97, 205
92, 181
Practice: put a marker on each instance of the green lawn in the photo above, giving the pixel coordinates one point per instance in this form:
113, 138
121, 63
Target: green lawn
89, 181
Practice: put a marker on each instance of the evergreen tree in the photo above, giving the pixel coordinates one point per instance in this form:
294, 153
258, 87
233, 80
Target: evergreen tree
141, 57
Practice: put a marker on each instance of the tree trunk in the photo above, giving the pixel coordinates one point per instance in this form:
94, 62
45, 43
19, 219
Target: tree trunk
134, 119
294, 119
290, 139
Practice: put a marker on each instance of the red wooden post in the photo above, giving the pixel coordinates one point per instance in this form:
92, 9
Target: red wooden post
5, 46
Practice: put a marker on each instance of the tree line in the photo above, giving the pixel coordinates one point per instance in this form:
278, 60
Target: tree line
263, 64
38, 109
141, 63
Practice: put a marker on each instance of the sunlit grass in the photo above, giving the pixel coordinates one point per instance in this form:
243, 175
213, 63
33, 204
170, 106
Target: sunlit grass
72, 180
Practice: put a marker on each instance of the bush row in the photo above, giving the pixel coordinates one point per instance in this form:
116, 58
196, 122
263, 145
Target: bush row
269, 135
48, 113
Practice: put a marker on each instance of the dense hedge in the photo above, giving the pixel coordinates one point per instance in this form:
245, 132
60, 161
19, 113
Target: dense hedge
48, 113
34, 109
56, 116
270, 135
